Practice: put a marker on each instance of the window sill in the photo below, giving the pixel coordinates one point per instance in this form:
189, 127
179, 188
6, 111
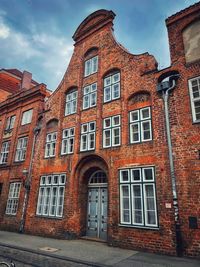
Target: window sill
49, 217
196, 122
111, 100
139, 227
18, 162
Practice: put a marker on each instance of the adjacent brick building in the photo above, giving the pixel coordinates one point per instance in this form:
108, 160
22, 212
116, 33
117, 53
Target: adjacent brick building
19, 113
101, 167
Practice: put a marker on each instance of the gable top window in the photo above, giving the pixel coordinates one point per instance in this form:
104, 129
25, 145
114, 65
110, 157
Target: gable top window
91, 66
89, 96
112, 87
194, 87
10, 122
71, 102
27, 116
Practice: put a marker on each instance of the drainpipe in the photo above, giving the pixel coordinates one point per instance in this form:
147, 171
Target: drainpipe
166, 88
27, 184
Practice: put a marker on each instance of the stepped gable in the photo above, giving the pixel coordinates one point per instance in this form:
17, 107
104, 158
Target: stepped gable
92, 23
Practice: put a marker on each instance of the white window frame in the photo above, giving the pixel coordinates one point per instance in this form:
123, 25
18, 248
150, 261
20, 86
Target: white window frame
13, 198
27, 116
90, 66
89, 92
50, 204
194, 100
142, 183
140, 122
21, 149
68, 137
50, 147
109, 85
4, 152
10, 123
111, 130
71, 102
88, 136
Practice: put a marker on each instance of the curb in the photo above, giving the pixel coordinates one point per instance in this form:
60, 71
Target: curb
59, 257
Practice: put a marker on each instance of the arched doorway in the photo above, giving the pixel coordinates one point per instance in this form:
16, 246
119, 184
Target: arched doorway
97, 206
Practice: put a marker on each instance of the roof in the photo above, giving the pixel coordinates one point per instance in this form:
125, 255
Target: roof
183, 12
18, 73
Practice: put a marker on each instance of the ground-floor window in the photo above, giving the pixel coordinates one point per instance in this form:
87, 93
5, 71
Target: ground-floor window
138, 197
51, 195
13, 198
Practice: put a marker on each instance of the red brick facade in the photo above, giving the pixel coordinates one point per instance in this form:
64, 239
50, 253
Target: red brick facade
139, 78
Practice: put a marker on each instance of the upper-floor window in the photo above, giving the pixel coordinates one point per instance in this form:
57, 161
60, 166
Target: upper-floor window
89, 96
68, 141
27, 116
21, 149
112, 87
111, 131
138, 197
51, 195
4, 152
194, 87
50, 147
88, 131
10, 122
13, 198
91, 66
71, 103
140, 125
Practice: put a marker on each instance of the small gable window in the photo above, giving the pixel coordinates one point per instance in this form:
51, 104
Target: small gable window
91, 66
112, 86
71, 102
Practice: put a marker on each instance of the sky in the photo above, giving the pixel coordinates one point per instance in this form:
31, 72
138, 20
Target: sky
36, 35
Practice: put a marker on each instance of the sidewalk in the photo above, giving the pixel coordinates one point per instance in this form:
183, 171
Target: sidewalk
88, 252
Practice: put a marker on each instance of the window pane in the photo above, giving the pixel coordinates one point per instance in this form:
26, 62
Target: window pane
146, 131
145, 113
116, 136
148, 174
107, 81
124, 175
86, 101
197, 109
150, 206
136, 175
116, 78
125, 204
107, 93
134, 132
137, 204
134, 116
107, 138
115, 91
115, 121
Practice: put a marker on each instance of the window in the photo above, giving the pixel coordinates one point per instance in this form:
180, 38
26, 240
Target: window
88, 131
13, 198
10, 123
138, 197
21, 149
4, 152
51, 195
91, 66
27, 116
194, 86
140, 125
111, 131
67, 141
90, 96
112, 87
71, 103
50, 145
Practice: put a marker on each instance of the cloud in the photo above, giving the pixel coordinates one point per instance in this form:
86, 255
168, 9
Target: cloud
35, 51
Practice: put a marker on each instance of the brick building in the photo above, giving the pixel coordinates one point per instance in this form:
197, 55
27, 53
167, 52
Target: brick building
22, 101
105, 166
